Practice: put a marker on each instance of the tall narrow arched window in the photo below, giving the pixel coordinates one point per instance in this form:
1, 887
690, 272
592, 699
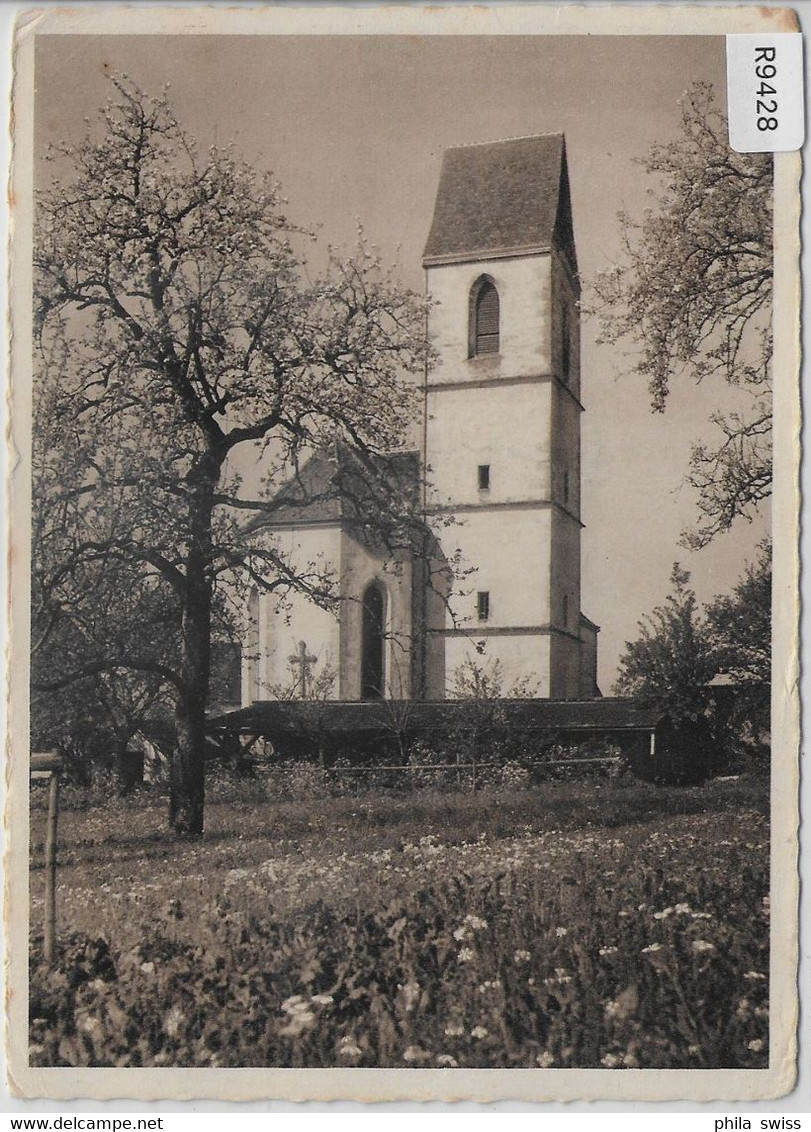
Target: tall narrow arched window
372, 672
484, 318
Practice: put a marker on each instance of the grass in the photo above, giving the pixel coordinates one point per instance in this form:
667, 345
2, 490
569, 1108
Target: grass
577, 924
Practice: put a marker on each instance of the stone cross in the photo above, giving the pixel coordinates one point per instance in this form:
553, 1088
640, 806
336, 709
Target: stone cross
303, 660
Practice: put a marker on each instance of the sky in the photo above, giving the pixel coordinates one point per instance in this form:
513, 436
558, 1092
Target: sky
354, 128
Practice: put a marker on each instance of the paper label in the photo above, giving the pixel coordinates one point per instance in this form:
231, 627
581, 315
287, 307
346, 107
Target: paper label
765, 92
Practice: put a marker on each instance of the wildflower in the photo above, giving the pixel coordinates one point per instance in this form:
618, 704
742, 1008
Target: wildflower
322, 999
411, 994
299, 1022
460, 933
663, 915
612, 1008
651, 948
610, 1061
479, 1032
454, 1031
416, 1053
682, 909
701, 915
545, 1059
476, 922
173, 1021
630, 1061
756, 1046
349, 1047
446, 1060
466, 954
148, 968
561, 931
693, 1051
521, 956
609, 950
753, 975
295, 1005
703, 945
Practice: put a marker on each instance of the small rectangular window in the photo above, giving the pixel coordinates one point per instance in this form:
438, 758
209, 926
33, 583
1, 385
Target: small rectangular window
483, 605
484, 477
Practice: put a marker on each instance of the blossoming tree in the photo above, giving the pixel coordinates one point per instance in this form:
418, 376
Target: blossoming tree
177, 316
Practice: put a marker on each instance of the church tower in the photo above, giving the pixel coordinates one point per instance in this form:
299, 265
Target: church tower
502, 430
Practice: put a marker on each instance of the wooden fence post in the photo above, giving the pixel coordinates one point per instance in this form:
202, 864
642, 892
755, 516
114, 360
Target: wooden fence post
48, 765
50, 869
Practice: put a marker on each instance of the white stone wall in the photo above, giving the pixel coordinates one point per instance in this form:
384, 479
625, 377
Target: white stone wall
521, 658
508, 411
509, 550
506, 427
360, 566
283, 623
524, 289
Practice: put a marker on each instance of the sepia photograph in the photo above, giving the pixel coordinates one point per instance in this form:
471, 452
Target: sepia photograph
394, 524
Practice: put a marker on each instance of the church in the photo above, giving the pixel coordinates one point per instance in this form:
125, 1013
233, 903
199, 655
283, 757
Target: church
498, 473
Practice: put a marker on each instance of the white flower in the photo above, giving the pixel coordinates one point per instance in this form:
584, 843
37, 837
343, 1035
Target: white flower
148, 968
561, 931
682, 909
416, 1053
611, 1061
411, 994
295, 1005
608, 950
521, 956
349, 1047
173, 1021
545, 1059
651, 947
322, 999
753, 975
703, 945
466, 954
756, 1046
454, 1031
663, 914
445, 1059
479, 1032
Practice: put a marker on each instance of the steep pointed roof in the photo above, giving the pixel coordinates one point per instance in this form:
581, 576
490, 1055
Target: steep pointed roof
340, 485
502, 198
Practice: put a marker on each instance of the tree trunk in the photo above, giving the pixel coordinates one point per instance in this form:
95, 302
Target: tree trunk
187, 788
187, 785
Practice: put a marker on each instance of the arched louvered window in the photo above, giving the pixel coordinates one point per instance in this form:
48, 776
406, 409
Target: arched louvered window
484, 312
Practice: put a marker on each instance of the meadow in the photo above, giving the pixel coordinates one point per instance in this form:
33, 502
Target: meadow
606, 924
